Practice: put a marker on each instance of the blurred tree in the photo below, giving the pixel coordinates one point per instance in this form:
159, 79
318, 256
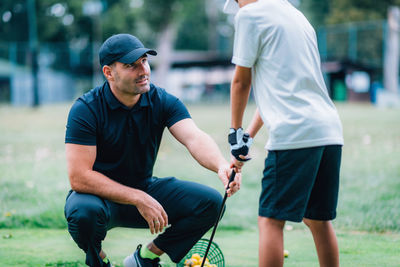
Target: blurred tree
359, 10
156, 22
62, 21
316, 11
367, 43
169, 18
193, 30
322, 12
362, 43
13, 16
120, 17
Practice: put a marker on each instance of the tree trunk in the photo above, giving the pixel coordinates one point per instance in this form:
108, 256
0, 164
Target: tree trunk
391, 65
163, 60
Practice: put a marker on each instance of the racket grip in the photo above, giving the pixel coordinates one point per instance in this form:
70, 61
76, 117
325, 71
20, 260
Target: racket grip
231, 178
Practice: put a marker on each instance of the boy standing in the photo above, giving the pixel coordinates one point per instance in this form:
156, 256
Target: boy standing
276, 53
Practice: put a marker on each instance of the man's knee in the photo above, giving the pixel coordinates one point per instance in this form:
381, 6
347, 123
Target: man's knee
85, 215
212, 207
83, 218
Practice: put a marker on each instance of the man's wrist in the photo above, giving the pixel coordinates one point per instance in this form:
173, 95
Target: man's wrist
223, 165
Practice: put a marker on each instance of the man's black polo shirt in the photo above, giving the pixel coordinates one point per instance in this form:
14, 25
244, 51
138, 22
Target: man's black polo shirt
127, 140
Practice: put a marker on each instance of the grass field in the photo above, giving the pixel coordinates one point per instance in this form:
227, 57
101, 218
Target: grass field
52, 247
33, 181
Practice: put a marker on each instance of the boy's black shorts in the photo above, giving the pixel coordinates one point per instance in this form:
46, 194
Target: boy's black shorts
301, 183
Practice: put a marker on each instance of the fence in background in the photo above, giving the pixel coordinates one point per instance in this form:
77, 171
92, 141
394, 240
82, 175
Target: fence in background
361, 42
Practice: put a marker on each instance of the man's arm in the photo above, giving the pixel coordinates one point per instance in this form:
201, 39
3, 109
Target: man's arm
205, 151
84, 179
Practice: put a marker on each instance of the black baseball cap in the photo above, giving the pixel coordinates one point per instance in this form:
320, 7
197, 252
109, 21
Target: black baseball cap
124, 48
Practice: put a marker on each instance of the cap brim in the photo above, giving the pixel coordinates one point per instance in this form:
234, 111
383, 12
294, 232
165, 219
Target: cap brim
135, 55
231, 7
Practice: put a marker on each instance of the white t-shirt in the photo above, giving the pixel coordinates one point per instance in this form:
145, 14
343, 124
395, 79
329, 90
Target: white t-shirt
275, 39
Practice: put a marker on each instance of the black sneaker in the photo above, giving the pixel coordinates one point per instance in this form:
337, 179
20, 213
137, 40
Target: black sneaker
107, 264
135, 260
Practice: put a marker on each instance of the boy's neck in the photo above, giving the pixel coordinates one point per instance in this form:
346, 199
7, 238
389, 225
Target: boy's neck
242, 3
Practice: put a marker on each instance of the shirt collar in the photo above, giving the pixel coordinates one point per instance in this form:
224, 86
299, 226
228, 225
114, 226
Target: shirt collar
144, 100
114, 103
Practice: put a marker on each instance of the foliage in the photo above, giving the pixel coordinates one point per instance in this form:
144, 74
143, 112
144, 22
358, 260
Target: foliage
117, 16
17, 9
321, 12
159, 14
359, 10
151, 16
316, 10
192, 32
195, 26
67, 32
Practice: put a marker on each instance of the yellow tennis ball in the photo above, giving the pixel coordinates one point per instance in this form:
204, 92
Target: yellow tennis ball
286, 253
206, 261
196, 256
189, 262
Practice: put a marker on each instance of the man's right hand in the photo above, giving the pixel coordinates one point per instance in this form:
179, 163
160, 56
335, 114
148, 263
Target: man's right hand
224, 173
153, 213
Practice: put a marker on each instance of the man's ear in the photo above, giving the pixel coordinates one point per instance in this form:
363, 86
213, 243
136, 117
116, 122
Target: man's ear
107, 71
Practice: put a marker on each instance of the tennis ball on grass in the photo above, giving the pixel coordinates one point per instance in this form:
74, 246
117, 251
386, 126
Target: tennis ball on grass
286, 253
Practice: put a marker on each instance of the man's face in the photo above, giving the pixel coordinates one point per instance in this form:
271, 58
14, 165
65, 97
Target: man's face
132, 78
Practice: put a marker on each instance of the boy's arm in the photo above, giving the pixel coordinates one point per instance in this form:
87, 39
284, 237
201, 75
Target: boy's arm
255, 125
240, 91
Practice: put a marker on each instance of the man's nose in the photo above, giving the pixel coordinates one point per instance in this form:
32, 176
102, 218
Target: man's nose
144, 68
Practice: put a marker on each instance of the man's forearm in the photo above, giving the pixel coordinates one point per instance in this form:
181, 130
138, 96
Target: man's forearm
206, 152
95, 183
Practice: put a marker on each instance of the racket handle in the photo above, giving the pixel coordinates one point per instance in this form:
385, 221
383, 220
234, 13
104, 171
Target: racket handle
231, 178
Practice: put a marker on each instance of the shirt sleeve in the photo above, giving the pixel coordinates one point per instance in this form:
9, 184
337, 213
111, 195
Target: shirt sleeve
81, 125
174, 110
246, 42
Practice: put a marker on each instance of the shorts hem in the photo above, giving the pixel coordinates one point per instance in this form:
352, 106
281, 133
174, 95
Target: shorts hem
320, 216
280, 215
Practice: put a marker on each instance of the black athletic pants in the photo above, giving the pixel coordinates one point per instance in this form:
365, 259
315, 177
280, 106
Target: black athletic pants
192, 209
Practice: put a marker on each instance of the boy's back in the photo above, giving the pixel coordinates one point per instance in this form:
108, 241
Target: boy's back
279, 44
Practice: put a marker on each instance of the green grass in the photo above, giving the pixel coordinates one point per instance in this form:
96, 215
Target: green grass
34, 183
33, 180
50, 247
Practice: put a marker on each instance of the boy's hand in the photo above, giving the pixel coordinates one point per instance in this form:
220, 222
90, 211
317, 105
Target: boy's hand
240, 143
